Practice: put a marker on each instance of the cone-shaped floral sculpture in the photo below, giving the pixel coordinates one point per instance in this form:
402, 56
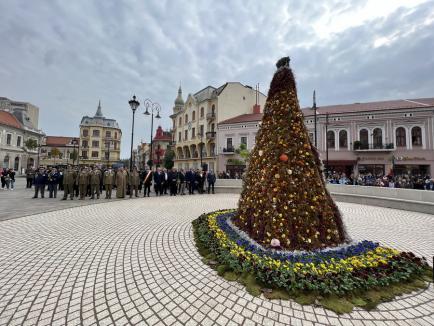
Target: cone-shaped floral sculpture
284, 195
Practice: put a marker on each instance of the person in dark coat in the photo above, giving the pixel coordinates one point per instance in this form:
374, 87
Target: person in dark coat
158, 182
30, 174
53, 182
198, 181
147, 182
173, 177
181, 182
189, 179
41, 179
211, 178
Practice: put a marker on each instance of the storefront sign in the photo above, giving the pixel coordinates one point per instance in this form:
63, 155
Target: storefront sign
407, 158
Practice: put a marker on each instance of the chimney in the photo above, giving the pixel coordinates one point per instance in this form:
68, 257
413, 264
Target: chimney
256, 107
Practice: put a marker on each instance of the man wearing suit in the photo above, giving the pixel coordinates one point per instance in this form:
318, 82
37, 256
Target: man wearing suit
41, 179
158, 182
147, 182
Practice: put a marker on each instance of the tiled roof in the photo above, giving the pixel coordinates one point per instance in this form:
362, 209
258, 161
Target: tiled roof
372, 106
9, 119
250, 117
57, 140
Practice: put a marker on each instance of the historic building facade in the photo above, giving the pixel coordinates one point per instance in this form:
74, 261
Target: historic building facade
59, 150
100, 140
26, 112
15, 131
195, 120
375, 137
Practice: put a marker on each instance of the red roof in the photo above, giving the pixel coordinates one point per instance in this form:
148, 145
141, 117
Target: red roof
372, 106
249, 117
57, 140
9, 119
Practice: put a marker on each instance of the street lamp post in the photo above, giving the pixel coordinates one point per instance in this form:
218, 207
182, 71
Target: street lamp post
134, 104
327, 145
201, 149
314, 116
153, 107
108, 143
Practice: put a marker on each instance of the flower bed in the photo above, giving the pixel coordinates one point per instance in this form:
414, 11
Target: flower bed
350, 272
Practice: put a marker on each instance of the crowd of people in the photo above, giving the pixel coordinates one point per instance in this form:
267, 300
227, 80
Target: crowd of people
422, 182
91, 182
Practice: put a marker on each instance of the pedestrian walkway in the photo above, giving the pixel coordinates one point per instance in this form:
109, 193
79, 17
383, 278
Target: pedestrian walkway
134, 262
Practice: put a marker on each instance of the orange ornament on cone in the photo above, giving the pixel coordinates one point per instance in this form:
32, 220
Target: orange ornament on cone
283, 157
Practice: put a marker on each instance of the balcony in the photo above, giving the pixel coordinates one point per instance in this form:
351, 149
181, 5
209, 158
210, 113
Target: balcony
360, 147
210, 135
229, 150
210, 116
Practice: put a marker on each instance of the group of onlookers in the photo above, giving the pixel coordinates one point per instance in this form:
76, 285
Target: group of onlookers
422, 182
92, 181
7, 177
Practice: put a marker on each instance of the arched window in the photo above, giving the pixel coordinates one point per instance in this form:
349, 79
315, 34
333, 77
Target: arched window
343, 139
364, 138
213, 109
416, 136
378, 138
330, 139
401, 139
202, 112
16, 163
180, 121
193, 116
6, 162
186, 118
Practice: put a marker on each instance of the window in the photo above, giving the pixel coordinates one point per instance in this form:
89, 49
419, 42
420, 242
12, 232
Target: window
201, 130
180, 121
378, 138
179, 136
85, 143
244, 140
95, 143
84, 154
401, 139
94, 154
186, 135
212, 127
416, 136
108, 134
193, 133
19, 141
186, 119
330, 139
364, 138
107, 155
85, 132
193, 116
229, 143
116, 135
202, 112
343, 139
8, 139
95, 133
115, 145
213, 109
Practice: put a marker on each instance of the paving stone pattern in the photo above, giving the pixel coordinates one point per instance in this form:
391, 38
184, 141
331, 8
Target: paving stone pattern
134, 262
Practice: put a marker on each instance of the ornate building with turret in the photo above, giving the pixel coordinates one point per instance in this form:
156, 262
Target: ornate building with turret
195, 121
100, 139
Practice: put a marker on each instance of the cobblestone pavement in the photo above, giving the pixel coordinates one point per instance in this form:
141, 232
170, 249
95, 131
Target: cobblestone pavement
134, 262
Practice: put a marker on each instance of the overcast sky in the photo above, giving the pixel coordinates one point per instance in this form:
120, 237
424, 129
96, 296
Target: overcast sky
64, 56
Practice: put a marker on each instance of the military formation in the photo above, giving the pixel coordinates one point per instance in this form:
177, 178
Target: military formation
92, 182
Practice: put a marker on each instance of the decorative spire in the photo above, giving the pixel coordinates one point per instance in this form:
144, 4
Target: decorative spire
99, 111
179, 101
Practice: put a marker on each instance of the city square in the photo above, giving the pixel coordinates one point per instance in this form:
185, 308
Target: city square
134, 262
217, 163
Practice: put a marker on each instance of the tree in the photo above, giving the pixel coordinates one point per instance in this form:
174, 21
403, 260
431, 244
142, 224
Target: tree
169, 156
243, 152
73, 155
284, 195
31, 144
55, 153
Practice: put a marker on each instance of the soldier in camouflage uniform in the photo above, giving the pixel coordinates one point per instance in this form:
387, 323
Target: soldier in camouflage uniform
109, 178
133, 181
95, 179
69, 177
83, 181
